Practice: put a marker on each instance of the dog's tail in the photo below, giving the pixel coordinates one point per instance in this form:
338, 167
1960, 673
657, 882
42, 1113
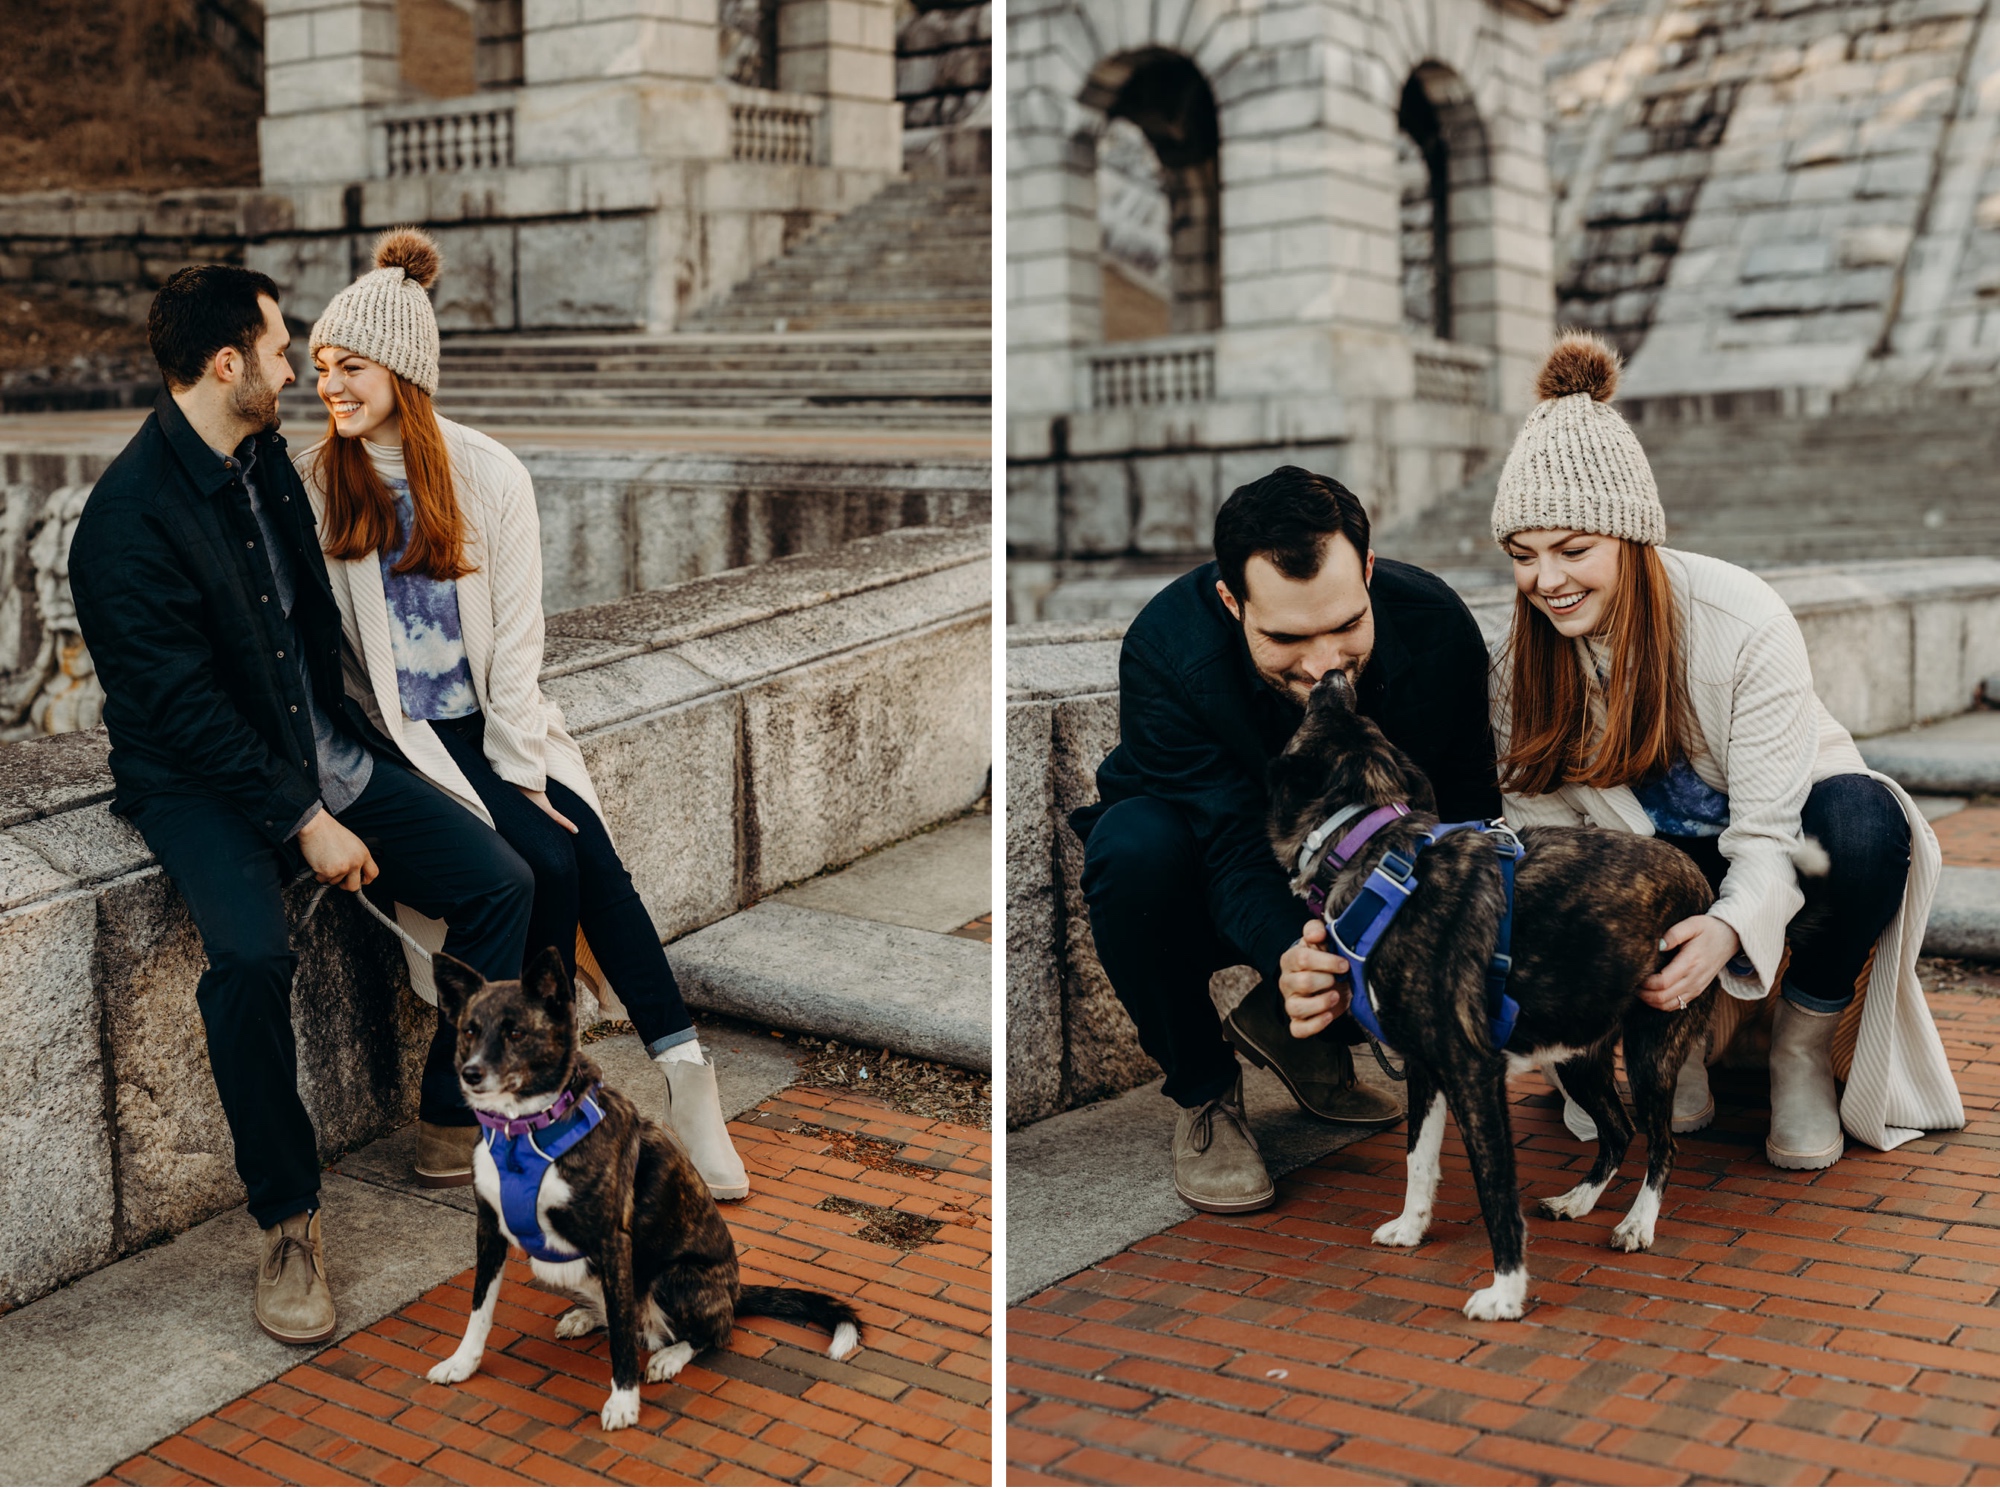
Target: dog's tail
1809, 858
802, 1305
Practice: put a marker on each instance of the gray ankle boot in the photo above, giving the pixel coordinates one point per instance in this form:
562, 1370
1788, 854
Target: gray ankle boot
1805, 1103
694, 1118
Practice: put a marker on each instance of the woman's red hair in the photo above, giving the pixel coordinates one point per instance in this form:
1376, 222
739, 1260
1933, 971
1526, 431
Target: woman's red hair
1648, 719
361, 512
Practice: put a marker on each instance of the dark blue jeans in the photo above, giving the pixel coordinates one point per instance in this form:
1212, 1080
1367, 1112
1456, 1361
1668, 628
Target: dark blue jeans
434, 856
1146, 884
1867, 840
579, 879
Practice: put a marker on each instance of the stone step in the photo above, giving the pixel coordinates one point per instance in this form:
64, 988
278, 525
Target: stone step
1965, 915
865, 954
1954, 757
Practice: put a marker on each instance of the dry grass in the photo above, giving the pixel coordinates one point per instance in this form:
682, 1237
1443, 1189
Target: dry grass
119, 93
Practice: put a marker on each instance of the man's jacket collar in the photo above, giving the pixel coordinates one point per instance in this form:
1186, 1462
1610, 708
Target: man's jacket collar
209, 471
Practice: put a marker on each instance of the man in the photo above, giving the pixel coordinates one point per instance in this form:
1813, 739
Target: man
1178, 870
237, 754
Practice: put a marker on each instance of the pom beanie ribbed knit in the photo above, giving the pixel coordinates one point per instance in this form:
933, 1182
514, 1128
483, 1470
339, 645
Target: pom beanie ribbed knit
385, 315
1576, 463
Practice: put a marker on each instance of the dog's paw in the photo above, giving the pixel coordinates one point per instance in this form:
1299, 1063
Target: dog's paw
1635, 1231
579, 1321
1503, 1299
666, 1363
450, 1372
1575, 1203
1407, 1229
621, 1409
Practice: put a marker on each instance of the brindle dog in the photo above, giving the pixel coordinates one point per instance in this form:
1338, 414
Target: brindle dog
1590, 907
657, 1262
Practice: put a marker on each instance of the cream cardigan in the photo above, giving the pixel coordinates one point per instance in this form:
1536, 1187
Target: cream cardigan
500, 623
1751, 687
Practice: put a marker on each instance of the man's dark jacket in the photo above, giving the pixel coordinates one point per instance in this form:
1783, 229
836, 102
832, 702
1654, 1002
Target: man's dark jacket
186, 631
1197, 726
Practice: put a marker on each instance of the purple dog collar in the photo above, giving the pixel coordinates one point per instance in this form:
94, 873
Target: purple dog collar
1342, 852
519, 1126
1365, 829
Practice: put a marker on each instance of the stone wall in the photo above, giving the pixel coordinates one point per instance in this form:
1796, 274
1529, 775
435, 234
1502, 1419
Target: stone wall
1892, 645
612, 525
944, 81
743, 730
1787, 199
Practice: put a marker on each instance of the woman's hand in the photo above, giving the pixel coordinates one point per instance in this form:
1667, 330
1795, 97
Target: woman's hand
1311, 980
541, 799
1706, 945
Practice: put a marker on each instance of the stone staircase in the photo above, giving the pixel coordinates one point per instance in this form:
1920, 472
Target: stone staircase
880, 319
1873, 482
917, 255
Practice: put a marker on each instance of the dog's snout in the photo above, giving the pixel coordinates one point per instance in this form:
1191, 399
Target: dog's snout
472, 1072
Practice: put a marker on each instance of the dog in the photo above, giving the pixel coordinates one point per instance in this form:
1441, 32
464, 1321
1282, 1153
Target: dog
1590, 907
637, 1239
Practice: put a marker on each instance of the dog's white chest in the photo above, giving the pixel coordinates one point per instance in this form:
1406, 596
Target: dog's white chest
552, 1194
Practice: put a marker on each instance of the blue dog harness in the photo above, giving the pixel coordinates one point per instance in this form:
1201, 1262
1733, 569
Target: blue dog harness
1357, 930
523, 1148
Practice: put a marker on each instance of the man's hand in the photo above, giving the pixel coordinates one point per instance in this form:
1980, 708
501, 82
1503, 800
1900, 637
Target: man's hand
335, 855
1313, 982
1706, 945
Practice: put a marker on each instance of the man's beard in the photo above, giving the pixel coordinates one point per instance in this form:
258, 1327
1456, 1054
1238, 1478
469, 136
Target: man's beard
256, 401
1298, 687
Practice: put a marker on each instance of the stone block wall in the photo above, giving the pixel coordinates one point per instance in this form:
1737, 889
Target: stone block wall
944, 82
743, 730
612, 525
110, 250
1892, 645
1785, 198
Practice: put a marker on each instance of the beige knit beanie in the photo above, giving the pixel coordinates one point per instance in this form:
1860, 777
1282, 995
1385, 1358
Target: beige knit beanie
385, 315
1576, 464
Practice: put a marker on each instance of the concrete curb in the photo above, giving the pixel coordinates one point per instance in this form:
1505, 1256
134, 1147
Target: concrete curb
1935, 767
1965, 916
862, 981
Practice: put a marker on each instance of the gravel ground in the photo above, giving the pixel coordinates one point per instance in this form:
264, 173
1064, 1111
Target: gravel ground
922, 1088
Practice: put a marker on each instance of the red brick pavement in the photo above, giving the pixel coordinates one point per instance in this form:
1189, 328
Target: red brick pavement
913, 1406
1970, 837
1787, 1328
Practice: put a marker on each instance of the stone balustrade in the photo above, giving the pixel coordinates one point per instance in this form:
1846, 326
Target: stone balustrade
744, 730
1892, 645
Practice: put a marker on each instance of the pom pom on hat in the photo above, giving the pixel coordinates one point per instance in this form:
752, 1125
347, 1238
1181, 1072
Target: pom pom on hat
1579, 363
413, 251
1576, 466
385, 315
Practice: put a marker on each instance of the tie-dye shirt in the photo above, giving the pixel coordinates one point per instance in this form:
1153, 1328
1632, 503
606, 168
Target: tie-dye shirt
431, 671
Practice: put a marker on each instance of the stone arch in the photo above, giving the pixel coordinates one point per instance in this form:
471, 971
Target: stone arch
1450, 287
1166, 98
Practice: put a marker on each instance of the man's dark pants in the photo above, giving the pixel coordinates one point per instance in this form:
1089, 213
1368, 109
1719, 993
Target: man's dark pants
435, 857
1145, 882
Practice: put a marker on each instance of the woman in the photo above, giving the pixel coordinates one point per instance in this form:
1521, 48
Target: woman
1664, 693
434, 553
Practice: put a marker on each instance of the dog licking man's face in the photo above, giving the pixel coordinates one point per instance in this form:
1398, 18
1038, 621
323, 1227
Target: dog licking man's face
516, 1040
1300, 629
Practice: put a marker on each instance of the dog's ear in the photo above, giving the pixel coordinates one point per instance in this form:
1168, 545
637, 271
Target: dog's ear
547, 981
456, 983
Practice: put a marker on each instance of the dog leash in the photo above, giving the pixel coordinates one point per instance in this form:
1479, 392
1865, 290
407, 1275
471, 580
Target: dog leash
367, 904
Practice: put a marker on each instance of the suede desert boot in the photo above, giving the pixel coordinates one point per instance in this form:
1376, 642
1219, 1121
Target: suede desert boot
294, 1305
1318, 1072
1217, 1166
444, 1155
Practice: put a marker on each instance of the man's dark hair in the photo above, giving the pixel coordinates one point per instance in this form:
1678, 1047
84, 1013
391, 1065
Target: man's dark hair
200, 310
1287, 517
